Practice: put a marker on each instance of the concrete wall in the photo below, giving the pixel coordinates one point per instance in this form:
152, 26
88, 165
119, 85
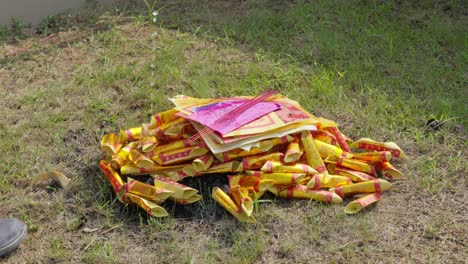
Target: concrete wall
33, 11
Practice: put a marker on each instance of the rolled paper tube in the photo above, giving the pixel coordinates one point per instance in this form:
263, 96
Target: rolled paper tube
376, 185
276, 166
351, 164
355, 176
381, 156
369, 144
121, 156
130, 168
226, 167
203, 163
179, 155
312, 154
256, 184
112, 175
176, 145
362, 202
294, 152
148, 143
326, 150
140, 160
159, 131
241, 198
225, 201
179, 191
110, 144
339, 137
191, 199
146, 191
327, 181
163, 118
253, 173
130, 134
389, 171
150, 207
302, 192
324, 136
256, 162
176, 175
284, 179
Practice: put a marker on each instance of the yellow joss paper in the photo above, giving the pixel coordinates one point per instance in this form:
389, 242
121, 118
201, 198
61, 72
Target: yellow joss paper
355, 176
110, 144
179, 191
340, 138
179, 155
326, 150
225, 201
284, 178
177, 145
130, 168
256, 162
389, 171
360, 203
254, 183
324, 136
242, 199
147, 191
112, 175
277, 166
140, 160
150, 207
226, 167
313, 156
381, 156
351, 164
376, 185
294, 152
130, 134
327, 181
191, 199
369, 144
121, 156
302, 192
203, 163
163, 118
148, 143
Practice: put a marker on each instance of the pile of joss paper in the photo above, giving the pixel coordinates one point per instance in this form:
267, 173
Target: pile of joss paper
266, 143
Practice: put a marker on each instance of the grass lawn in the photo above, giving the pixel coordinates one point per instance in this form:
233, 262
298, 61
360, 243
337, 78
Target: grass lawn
381, 69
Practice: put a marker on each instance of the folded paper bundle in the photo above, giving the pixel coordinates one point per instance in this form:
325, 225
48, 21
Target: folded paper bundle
266, 143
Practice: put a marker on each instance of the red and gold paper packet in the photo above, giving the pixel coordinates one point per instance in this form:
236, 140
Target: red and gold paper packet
277, 167
110, 144
130, 134
340, 138
241, 198
319, 181
351, 164
178, 190
146, 191
163, 118
389, 171
326, 150
380, 156
376, 185
112, 175
140, 160
284, 178
179, 155
355, 176
256, 162
313, 156
121, 156
225, 201
294, 152
369, 144
362, 202
202, 163
324, 136
150, 207
302, 192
